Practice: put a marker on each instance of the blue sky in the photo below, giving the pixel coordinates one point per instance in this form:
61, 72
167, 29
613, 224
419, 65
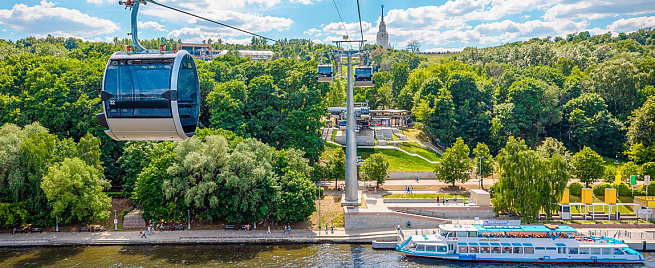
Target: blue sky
437, 25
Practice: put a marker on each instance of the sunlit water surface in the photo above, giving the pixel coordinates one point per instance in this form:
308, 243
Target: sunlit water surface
323, 255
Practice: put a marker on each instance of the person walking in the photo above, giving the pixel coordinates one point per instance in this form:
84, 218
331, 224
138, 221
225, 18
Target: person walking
289, 229
148, 230
143, 234
269, 230
333, 228
326, 228
437, 199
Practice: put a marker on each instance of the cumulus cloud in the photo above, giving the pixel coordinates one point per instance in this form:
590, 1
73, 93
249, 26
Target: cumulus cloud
304, 2
45, 18
313, 31
632, 24
153, 25
100, 2
599, 9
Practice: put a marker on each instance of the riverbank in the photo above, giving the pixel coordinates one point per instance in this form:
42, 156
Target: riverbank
193, 237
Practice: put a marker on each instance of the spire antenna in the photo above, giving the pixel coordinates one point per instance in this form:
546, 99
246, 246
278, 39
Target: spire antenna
382, 12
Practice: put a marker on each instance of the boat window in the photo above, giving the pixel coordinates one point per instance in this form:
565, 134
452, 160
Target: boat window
540, 248
518, 250
607, 251
441, 248
451, 247
420, 248
573, 250
463, 249
618, 251
473, 234
550, 248
561, 250
431, 248
462, 234
528, 250
473, 249
584, 251
507, 249
484, 249
595, 251
495, 249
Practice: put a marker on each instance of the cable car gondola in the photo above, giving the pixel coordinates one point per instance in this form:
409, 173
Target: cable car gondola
364, 76
325, 73
149, 94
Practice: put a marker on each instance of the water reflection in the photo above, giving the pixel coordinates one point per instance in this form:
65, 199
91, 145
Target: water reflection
299, 255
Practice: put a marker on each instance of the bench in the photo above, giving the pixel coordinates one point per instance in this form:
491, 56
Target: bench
18, 230
85, 229
36, 230
164, 228
233, 227
178, 227
99, 229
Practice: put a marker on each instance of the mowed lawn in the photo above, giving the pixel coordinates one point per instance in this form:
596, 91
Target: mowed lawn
398, 161
415, 149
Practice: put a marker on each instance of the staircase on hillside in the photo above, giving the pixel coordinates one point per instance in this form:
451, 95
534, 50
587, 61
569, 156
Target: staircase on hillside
134, 220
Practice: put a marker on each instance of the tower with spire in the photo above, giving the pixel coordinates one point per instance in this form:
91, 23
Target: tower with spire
382, 38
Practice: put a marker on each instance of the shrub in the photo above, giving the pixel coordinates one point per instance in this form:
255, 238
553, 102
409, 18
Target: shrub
599, 190
623, 189
575, 189
651, 190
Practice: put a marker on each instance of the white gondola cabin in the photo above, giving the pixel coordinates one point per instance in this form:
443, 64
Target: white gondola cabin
150, 96
325, 73
364, 76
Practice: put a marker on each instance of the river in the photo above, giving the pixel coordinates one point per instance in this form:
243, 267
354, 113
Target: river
322, 255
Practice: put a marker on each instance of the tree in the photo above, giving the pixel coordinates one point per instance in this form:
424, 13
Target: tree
413, 45
640, 154
148, 190
648, 169
588, 166
484, 161
552, 146
336, 163
455, 164
375, 168
520, 185
528, 181
75, 191
296, 199
630, 169
642, 124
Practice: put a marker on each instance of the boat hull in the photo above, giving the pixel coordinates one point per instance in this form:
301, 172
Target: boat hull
556, 261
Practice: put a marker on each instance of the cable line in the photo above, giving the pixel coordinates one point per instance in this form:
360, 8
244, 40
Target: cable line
360, 20
343, 24
203, 18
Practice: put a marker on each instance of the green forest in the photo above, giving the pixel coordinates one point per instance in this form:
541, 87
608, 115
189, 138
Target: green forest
259, 146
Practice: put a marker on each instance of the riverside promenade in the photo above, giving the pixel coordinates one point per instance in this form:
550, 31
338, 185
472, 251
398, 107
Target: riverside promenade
193, 237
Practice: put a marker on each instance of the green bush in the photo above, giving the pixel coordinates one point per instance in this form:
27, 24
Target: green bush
599, 190
651, 190
575, 189
12, 214
623, 189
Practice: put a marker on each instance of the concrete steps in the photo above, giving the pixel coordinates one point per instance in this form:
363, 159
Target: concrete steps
134, 220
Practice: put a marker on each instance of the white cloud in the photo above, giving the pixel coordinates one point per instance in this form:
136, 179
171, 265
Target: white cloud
304, 2
153, 25
632, 24
100, 2
45, 18
313, 31
592, 10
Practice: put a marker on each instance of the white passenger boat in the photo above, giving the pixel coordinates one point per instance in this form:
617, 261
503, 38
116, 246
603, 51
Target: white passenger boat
518, 243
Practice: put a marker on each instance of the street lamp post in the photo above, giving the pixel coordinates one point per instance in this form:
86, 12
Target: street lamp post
319, 207
481, 184
188, 219
115, 221
56, 223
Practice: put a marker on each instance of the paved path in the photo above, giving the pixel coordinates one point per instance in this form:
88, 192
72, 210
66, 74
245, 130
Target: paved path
193, 237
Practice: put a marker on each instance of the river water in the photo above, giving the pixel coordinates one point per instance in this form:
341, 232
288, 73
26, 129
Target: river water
322, 255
